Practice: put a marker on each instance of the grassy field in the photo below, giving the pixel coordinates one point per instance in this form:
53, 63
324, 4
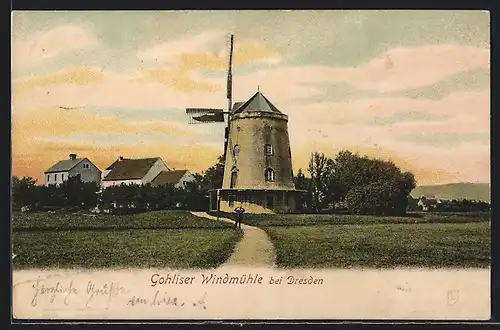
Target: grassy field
342, 241
290, 220
383, 245
160, 239
179, 239
150, 220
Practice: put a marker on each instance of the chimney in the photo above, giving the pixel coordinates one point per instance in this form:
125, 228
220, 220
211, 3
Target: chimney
72, 156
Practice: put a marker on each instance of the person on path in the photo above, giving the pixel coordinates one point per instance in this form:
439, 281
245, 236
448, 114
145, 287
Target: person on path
239, 216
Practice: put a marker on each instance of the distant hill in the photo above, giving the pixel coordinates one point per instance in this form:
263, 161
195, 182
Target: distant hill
477, 191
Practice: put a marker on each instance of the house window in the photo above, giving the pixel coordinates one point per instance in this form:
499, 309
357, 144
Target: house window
48, 178
269, 149
55, 177
62, 176
85, 165
269, 174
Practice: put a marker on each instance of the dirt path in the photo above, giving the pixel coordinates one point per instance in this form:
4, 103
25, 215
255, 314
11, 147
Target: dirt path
254, 249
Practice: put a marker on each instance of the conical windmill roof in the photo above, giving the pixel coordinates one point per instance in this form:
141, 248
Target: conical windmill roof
258, 102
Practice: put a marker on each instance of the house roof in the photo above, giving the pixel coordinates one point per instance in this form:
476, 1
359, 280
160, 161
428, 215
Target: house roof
110, 167
168, 177
64, 165
237, 105
130, 169
429, 201
258, 102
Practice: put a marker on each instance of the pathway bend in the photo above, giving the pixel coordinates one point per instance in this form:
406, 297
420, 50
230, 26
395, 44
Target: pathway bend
253, 250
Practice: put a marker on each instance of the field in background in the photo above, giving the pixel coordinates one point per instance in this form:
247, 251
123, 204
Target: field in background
429, 245
290, 220
157, 239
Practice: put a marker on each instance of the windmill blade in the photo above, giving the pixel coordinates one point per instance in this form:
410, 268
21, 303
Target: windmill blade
204, 115
230, 73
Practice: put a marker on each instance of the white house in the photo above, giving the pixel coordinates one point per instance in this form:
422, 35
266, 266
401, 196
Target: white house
81, 168
132, 171
427, 203
177, 178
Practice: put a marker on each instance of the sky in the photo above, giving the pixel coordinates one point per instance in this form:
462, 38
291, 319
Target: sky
412, 87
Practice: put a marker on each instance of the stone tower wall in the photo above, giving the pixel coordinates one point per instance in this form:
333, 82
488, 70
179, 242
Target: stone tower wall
251, 131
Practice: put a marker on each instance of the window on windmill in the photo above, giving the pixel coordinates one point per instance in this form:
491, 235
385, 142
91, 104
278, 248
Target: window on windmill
234, 178
269, 174
236, 150
269, 149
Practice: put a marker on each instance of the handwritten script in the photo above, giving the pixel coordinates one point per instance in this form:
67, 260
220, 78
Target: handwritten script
100, 295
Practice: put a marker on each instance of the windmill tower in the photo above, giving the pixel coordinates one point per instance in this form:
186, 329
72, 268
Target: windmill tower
258, 172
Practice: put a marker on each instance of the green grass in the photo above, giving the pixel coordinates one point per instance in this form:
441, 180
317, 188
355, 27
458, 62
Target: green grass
179, 249
157, 239
151, 220
383, 245
291, 220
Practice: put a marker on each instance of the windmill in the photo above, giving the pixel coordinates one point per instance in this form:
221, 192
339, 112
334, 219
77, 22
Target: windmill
211, 115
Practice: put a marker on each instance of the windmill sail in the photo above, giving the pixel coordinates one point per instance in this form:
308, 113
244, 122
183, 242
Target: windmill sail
229, 95
205, 115
230, 73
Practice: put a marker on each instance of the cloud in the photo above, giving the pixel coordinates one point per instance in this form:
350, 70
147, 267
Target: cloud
467, 81
77, 76
49, 44
399, 117
177, 79
208, 51
56, 122
113, 91
170, 51
463, 111
200, 53
408, 68
445, 140
403, 68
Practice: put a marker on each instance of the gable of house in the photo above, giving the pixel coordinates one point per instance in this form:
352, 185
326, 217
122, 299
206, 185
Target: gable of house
86, 170
64, 169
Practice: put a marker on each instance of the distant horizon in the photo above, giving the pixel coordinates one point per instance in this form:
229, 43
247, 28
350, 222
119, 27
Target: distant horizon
412, 87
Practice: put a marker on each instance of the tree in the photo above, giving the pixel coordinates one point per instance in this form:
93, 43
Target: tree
213, 176
24, 192
322, 178
372, 186
304, 183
